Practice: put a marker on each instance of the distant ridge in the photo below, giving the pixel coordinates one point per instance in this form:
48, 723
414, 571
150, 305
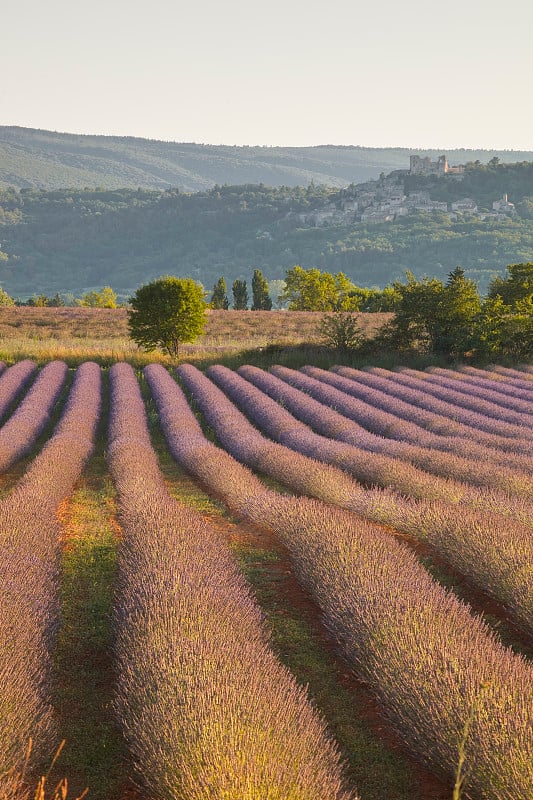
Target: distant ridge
32, 158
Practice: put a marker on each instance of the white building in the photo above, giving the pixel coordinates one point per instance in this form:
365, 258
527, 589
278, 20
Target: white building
466, 205
503, 206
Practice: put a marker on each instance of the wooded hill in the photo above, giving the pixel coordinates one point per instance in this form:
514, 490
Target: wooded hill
75, 240
50, 160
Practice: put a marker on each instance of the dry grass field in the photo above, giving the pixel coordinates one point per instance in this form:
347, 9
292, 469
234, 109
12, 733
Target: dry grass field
77, 334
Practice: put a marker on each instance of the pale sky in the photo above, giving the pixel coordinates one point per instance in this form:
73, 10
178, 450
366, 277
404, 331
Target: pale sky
375, 73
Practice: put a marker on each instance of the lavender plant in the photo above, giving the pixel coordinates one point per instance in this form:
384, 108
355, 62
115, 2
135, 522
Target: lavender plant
492, 551
480, 385
30, 544
501, 379
330, 423
19, 433
431, 401
407, 416
480, 401
420, 649
208, 711
12, 382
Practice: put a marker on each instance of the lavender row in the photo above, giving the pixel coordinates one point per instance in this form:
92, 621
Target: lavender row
371, 402
30, 548
492, 551
451, 467
12, 382
480, 383
430, 662
504, 380
20, 432
207, 709
447, 389
523, 374
445, 405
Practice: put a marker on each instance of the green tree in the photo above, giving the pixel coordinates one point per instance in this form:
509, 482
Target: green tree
39, 301
434, 317
502, 330
517, 286
219, 298
313, 290
452, 326
167, 312
417, 307
56, 301
240, 295
5, 299
261, 300
106, 298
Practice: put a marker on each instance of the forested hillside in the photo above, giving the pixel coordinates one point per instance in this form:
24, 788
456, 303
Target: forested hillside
73, 240
50, 160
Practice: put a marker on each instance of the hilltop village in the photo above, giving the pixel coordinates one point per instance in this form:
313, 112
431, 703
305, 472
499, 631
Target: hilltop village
386, 199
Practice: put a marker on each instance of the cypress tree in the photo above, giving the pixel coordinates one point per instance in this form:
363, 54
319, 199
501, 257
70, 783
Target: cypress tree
260, 294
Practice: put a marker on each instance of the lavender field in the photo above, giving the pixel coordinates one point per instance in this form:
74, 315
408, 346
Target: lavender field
250, 585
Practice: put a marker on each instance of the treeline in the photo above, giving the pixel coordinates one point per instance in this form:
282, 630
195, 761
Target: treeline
126, 237
450, 319
445, 318
105, 298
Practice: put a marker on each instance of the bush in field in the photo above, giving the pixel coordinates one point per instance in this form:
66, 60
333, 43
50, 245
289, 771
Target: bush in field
341, 331
166, 313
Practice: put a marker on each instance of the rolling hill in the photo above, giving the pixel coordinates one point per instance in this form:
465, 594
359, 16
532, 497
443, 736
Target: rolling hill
50, 160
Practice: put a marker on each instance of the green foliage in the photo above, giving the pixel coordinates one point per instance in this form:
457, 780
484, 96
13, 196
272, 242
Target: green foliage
106, 298
416, 311
516, 287
219, 298
452, 327
341, 331
5, 299
434, 317
313, 290
261, 300
501, 330
167, 312
126, 237
240, 295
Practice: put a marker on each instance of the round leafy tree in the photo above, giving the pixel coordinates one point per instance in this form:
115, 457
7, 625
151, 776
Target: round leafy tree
166, 312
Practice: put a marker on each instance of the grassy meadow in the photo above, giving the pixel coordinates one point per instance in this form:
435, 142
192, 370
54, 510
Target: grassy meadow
101, 334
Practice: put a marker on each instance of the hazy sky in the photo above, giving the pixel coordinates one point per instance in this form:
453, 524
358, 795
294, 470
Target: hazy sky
375, 73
